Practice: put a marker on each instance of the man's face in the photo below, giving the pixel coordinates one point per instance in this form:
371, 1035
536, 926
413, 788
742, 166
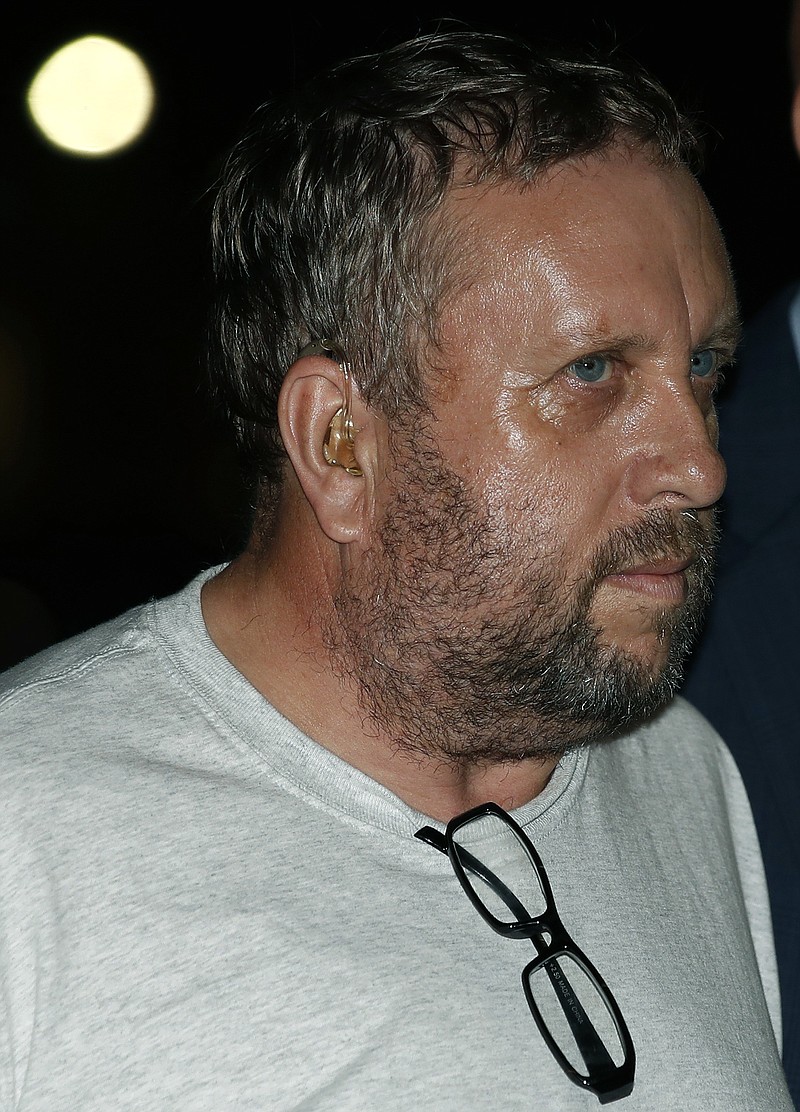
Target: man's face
544, 551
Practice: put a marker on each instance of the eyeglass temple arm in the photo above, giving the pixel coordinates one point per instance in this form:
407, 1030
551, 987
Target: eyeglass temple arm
589, 1043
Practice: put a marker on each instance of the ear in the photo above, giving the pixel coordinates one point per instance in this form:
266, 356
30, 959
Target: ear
338, 476
796, 119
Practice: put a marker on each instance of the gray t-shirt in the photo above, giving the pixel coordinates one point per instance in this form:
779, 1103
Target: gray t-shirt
202, 909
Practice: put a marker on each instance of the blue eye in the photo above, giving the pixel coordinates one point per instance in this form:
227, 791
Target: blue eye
594, 368
705, 363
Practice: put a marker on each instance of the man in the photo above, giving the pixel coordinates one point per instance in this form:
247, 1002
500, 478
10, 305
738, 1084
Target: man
742, 676
472, 309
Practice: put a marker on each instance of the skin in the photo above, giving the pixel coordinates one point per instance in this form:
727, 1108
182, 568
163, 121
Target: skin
622, 260
609, 267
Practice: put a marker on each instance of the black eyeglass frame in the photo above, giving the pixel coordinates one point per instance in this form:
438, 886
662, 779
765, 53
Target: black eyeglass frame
551, 940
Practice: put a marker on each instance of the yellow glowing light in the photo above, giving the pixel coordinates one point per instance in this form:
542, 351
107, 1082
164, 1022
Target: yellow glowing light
92, 97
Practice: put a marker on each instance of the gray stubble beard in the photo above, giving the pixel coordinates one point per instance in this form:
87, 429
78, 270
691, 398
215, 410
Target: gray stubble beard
462, 651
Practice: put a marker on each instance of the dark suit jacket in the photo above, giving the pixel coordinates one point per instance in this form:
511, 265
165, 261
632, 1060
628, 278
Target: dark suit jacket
745, 673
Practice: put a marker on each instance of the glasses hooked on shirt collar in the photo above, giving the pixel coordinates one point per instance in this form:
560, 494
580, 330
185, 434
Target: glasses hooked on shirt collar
577, 1016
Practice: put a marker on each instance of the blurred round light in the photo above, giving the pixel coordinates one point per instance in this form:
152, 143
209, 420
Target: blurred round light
92, 97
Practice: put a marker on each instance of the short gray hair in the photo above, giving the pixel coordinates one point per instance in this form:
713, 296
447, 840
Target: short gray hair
324, 223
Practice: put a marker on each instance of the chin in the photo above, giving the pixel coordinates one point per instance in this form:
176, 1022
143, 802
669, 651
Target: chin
644, 638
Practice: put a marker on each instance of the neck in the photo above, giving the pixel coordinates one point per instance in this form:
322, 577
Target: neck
267, 613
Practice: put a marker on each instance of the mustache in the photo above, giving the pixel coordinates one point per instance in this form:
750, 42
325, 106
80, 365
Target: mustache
664, 535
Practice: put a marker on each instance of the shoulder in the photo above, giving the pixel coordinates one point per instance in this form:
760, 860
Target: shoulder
675, 780
679, 759
76, 679
77, 654
103, 683
680, 730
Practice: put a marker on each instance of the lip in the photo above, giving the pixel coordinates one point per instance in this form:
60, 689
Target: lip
664, 580
659, 567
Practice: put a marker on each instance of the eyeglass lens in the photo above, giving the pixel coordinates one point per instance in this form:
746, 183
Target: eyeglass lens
575, 1013
499, 870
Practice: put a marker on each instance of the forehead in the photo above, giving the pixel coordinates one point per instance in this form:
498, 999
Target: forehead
612, 245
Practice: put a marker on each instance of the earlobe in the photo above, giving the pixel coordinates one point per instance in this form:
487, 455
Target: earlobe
329, 446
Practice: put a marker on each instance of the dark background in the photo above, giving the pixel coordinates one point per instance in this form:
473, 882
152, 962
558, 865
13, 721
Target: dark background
117, 481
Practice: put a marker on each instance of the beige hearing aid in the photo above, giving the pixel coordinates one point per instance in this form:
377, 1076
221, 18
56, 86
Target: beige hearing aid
338, 446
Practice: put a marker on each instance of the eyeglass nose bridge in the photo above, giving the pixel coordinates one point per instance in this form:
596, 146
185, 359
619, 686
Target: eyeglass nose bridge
546, 931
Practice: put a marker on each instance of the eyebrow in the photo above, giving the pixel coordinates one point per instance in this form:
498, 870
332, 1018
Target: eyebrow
725, 334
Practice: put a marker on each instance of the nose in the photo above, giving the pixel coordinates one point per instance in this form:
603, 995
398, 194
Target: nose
675, 462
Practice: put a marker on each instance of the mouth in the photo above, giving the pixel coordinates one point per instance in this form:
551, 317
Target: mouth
661, 580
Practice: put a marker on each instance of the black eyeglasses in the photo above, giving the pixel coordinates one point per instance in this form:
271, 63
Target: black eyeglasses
505, 879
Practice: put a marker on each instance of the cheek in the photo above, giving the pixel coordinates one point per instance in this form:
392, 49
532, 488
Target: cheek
558, 483
561, 505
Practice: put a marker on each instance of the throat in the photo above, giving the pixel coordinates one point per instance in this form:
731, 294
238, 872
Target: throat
442, 791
